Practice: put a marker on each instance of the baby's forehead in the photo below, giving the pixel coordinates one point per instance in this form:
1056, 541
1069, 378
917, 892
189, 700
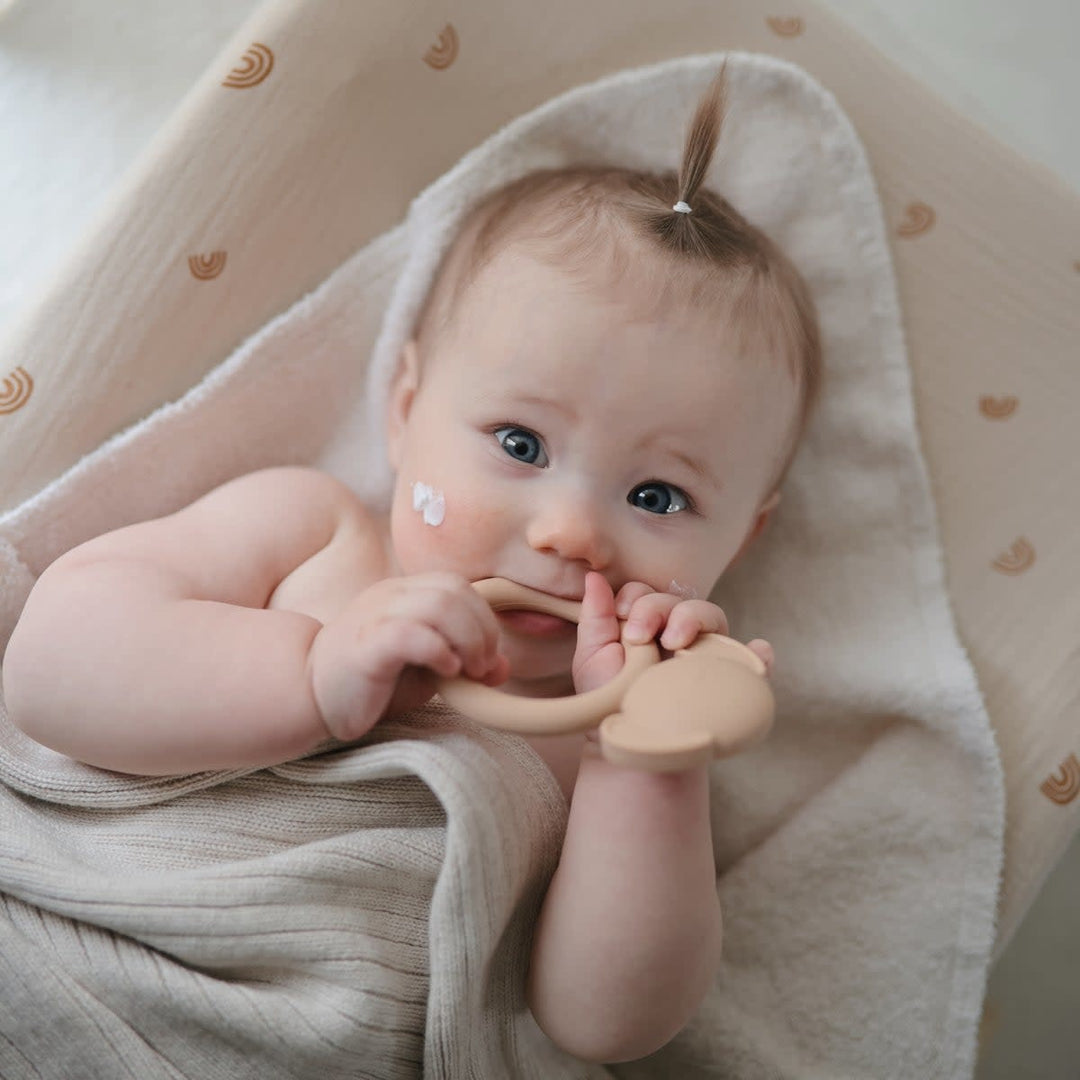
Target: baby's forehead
603, 258
532, 334
608, 278
619, 280
523, 292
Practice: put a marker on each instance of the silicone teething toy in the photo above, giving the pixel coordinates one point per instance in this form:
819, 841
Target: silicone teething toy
709, 700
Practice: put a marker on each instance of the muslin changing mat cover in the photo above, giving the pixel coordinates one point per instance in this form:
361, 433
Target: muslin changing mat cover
367, 912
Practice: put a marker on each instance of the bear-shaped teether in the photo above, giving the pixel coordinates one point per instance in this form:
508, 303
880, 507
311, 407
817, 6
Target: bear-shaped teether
709, 700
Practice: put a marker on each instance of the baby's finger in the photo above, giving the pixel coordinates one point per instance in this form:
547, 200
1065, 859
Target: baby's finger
647, 616
486, 620
765, 651
366, 689
599, 655
406, 641
631, 592
688, 619
461, 616
499, 671
597, 625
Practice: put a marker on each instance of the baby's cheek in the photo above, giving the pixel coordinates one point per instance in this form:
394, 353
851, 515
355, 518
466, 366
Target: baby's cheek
482, 512
473, 533
466, 539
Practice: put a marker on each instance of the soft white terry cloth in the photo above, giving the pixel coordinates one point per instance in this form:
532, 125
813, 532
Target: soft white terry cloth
363, 912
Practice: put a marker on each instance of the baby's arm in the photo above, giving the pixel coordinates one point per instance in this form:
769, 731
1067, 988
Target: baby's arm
628, 940
243, 630
148, 649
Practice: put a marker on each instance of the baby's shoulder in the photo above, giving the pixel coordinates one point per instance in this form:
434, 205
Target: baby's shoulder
239, 542
289, 502
291, 486
351, 554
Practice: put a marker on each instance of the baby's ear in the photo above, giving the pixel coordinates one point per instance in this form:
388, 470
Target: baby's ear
761, 519
764, 512
402, 393
769, 505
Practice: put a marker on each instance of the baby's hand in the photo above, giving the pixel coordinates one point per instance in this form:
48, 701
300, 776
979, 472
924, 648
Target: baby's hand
387, 649
678, 622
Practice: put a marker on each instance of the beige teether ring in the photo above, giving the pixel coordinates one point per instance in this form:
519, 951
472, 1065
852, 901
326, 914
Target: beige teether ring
709, 700
542, 716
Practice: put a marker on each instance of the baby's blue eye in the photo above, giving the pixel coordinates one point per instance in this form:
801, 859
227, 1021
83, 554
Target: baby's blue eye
659, 498
522, 445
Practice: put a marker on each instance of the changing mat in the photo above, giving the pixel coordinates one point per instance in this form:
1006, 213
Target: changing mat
858, 850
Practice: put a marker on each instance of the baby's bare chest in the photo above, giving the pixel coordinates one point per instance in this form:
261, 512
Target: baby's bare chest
356, 558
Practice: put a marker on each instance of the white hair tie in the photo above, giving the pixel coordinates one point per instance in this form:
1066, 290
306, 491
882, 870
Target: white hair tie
681, 208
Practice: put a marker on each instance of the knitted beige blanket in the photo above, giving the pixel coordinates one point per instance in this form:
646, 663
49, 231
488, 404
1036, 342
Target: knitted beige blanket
356, 914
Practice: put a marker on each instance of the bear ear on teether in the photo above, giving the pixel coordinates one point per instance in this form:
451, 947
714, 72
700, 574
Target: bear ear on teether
710, 700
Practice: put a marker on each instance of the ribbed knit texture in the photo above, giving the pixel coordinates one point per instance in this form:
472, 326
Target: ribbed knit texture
356, 914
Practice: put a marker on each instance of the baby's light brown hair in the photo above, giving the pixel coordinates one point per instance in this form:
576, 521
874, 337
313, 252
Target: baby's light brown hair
600, 222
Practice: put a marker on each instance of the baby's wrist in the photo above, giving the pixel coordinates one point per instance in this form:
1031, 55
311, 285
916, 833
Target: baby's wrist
592, 752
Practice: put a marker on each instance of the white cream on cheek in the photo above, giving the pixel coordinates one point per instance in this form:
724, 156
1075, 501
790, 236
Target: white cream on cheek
429, 502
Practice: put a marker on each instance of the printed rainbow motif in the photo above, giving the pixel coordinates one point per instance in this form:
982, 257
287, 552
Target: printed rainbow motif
15, 391
918, 219
786, 26
445, 50
998, 408
1063, 786
257, 64
1019, 557
207, 267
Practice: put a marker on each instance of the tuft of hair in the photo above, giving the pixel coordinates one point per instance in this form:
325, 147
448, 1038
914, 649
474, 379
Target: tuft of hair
702, 137
599, 222
680, 229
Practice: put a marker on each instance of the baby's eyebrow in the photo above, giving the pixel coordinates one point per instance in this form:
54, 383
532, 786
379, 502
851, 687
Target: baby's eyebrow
551, 403
698, 468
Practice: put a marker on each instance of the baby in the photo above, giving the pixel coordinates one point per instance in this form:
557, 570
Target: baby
601, 398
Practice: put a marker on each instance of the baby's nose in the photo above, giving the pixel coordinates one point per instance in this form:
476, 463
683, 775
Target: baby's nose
572, 528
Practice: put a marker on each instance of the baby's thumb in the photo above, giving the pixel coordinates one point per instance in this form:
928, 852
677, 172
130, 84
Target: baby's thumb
599, 654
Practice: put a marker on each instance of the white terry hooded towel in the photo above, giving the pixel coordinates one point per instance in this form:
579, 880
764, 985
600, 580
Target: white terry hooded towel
367, 912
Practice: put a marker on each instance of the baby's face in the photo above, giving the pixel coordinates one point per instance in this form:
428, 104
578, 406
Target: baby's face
568, 432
